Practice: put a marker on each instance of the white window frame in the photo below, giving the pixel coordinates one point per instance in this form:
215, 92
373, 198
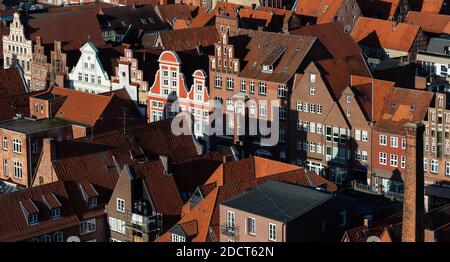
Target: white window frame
120, 205
272, 232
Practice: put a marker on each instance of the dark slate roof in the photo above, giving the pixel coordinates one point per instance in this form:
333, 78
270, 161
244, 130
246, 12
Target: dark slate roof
31, 126
438, 44
139, 16
279, 201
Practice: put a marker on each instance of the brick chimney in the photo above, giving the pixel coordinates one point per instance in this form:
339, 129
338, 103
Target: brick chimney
413, 197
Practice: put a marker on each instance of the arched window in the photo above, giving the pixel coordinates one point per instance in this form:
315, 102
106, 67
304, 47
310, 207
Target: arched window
58, 237
46, 238
41, 180
34, 240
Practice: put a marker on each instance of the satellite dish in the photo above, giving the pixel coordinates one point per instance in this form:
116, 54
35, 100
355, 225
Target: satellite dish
73, 239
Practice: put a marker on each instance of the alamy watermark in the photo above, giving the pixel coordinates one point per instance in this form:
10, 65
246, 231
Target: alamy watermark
229, 119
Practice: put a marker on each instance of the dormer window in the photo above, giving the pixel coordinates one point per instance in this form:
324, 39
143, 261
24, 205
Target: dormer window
89, 194
267, 68
33, 219
56, 213
92, 202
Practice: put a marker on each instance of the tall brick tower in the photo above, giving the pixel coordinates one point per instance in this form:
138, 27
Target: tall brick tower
413, 198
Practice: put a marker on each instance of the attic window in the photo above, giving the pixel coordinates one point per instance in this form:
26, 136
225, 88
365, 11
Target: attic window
143, 21
267, 68
178, 238
33, 219
56, 213
324, 9
411, 108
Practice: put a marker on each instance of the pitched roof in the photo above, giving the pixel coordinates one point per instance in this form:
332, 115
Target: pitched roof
427, 6
14, 225
255, 18
215, 192
382, 9
201, 215
333, 37
385, 34
11, 82
401, 106
64, 26
161, 187
192, 38
337, 72
169, 13
139, 16
12, 105
80, 107
278, 201
325, 10
370, 94
376, 228
247, 169
288, 55
429, 22
203, 18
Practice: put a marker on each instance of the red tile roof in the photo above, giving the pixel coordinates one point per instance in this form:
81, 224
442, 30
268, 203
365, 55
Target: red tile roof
337, 72
161, 187
360, 234
11, 82
14, 225
427, 6
431, 23
15, 104
64, 26
80, 107
333, 37
192, 38
206, 213
325, 10
401, 106
289, 53
385, 34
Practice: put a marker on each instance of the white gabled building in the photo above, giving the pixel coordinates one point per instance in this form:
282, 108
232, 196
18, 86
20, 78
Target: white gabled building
89, 74
17, 49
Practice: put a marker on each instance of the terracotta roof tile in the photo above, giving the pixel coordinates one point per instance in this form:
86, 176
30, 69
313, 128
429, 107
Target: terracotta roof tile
333, 37
204, 17
169, 13
290, 52
360, 234
162, 188
192, 38
431, 23
401, 106
64, 26
337, 72
325, 10
15, 104
385, 34
14, 225
80, 107
206, 213
11, 82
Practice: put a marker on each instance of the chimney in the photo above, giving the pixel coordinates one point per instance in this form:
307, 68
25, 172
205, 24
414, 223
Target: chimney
367, 221
413, 197
48, 148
